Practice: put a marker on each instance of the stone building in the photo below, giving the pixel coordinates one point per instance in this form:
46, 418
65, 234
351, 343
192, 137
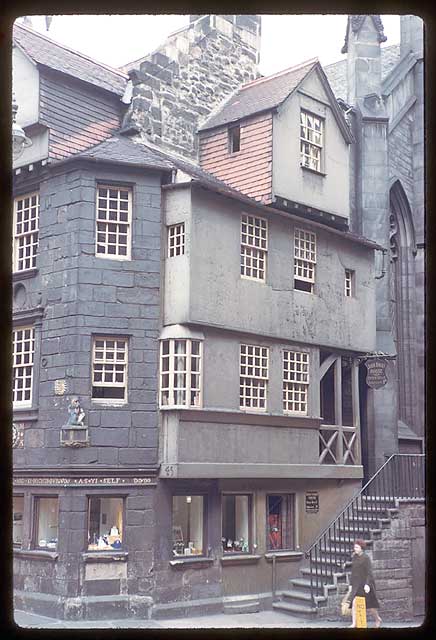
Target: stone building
190, 325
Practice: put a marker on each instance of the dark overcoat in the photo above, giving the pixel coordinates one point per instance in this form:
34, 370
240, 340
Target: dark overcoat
361, 574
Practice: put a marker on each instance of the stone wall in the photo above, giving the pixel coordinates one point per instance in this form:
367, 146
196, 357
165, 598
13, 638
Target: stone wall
395, 560
176, 88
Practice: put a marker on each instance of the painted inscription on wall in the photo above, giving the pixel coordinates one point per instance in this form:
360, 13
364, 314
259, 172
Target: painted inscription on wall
68, 481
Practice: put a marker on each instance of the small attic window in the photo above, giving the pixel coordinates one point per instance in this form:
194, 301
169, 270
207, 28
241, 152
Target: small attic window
234, 139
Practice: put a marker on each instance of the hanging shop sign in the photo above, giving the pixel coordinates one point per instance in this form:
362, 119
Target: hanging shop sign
376, 373
312, 502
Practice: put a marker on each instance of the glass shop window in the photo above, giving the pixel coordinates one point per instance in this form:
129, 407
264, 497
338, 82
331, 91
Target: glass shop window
17, 520
235, 531
188, 525
281, 522
105, 524
46, 521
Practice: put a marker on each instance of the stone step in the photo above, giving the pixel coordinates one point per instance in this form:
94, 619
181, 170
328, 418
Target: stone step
339, 574
294, 594
295, 609
251, 606
318, 589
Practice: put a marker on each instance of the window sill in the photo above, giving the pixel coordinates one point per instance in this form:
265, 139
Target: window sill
193, 563
240, 558
105, 556
284, 556
109, 403
24, 275
24, 414
315, 171
36, 554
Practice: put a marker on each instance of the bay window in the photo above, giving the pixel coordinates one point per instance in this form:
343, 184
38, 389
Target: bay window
180, 373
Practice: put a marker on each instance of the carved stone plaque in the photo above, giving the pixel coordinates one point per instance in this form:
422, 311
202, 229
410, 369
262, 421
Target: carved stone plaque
60, 387
17, 435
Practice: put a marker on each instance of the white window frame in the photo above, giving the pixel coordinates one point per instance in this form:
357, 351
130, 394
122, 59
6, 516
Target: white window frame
253, 374
304, 256
171, 390
116, 222
26, 231
254, 247
311, 140
18, 362
176, 240
349, 283
296, 367
109, 361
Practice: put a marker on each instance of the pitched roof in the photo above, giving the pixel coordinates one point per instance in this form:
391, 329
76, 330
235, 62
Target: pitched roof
262, 94
122, 150
44, 51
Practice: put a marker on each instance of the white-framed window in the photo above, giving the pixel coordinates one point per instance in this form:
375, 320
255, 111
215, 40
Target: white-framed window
311, 140
295, 381
234, 138
26, 226
109, 369
254, 247
176, 240
253, 380
304, 260
23, 351
180, 372
349, 283
113, 222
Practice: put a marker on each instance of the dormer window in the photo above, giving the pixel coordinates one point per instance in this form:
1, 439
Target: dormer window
234, 139
311, 141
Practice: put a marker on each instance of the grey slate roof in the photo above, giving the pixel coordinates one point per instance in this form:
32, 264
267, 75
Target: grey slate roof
337, 71
259, 95
121, 150
44, 51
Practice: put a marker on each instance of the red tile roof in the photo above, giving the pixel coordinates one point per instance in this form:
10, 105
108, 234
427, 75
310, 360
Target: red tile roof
44, 51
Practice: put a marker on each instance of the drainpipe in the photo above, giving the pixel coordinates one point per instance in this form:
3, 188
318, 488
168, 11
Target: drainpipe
274, 576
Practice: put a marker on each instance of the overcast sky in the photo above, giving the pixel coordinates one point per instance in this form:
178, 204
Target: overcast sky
286, 39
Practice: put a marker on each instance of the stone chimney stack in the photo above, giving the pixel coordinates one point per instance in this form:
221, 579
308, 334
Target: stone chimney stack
362, 43
411, 35
176, 87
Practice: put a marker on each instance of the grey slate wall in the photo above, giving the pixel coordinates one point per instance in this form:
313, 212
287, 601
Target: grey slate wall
83, 296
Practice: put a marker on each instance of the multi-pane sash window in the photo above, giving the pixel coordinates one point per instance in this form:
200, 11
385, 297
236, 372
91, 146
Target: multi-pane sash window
180, 374
311, 140
304, 259
254, 246
26, 223
113, 219
349, 276
176, 240
109, 369
253, 377
295, 381
23, 350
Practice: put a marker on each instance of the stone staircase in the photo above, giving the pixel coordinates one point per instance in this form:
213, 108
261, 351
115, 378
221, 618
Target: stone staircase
328, 569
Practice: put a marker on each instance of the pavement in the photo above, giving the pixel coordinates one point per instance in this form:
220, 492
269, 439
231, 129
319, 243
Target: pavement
260, 620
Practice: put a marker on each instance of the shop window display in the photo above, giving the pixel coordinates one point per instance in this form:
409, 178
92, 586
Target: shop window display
17, 520
188, 525
105, 524
280, 524
47, 520
235, 524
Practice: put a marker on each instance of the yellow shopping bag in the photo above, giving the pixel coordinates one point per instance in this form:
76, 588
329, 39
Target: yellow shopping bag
360, 604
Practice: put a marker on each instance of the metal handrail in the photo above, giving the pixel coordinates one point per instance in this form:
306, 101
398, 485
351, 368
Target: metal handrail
401, 476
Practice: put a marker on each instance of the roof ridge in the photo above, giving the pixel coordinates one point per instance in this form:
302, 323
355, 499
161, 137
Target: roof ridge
78, 53
301, 65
